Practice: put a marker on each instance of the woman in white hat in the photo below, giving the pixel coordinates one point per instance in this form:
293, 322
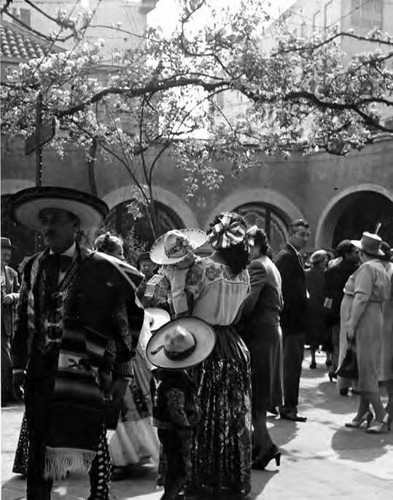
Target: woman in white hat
362, 322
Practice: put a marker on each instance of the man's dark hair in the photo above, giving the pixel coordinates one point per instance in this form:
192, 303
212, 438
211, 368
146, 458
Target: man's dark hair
298, 224
344, 247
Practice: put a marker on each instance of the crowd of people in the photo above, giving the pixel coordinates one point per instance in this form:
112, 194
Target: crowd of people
184, 355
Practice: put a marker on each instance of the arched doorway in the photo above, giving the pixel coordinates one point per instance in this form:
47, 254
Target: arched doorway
272, 220
354, 211
362, 213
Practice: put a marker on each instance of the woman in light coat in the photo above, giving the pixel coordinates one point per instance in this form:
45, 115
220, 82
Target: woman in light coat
366, 291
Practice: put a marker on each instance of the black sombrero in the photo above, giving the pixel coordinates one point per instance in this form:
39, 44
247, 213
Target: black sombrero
27, 204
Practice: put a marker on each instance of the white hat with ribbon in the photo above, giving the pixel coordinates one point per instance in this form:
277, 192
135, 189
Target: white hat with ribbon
175, 245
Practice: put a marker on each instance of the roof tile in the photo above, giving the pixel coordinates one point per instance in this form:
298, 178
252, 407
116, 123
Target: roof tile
20, 46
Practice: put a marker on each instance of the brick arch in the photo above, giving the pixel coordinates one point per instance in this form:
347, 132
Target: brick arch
333, 210
258, 195
161, 195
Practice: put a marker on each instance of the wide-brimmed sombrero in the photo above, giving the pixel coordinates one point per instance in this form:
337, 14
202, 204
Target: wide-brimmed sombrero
182, 343
157, 317
26, 205
175, 245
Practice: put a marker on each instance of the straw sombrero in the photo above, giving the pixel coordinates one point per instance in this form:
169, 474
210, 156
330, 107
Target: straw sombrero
175, 245
157, 317
27, 204
182, 343
370, 244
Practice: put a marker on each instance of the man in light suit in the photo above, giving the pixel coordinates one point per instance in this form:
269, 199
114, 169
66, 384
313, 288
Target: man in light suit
9, 299
290, 264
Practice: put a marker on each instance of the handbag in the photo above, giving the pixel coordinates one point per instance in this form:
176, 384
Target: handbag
349, 366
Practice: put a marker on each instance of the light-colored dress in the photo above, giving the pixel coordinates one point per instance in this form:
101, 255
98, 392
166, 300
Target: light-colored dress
221, 452
135, 440
370, 283
387, 332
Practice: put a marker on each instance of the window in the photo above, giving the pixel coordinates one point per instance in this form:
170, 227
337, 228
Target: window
23, 15
367, 14
328, 18
317, 21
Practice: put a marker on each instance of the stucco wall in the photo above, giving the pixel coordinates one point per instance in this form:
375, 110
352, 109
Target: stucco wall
300, 186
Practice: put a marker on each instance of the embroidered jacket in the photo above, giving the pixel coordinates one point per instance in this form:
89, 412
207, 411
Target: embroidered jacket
175, 401
92, 296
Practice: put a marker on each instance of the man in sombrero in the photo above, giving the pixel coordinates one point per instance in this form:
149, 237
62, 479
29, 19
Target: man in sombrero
77, 321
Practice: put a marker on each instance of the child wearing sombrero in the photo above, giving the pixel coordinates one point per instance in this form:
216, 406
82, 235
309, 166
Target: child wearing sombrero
176, 347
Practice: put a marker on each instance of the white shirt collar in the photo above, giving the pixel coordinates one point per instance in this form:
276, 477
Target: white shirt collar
70, 252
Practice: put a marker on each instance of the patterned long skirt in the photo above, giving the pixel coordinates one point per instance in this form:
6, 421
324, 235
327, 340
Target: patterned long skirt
22, 450
221, 451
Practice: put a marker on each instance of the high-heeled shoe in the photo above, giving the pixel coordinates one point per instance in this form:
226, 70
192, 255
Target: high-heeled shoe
261, 462
357, 423
379, 427
332, 376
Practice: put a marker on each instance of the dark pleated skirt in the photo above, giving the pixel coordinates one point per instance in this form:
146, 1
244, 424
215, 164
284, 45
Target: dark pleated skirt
266, 368
221, 451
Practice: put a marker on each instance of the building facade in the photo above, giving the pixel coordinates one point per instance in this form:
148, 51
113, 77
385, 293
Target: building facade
339, 196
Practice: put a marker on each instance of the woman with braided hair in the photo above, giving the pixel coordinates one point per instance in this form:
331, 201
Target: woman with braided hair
218, 285
213, 289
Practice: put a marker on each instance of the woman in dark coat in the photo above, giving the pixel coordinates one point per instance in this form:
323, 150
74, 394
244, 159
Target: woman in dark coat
262, 333
316, 321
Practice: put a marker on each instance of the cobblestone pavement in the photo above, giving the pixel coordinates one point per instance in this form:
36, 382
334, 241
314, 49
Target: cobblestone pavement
321, 459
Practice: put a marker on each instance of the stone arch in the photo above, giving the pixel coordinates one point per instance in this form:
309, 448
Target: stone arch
336, 206
161, 195
259, 195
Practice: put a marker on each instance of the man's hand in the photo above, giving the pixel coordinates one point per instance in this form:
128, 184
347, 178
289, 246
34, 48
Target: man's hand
350, 333
8, 299
18, 379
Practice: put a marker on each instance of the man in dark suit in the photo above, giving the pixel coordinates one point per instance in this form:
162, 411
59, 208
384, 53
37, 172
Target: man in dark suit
77, 322
290, 264
9, 299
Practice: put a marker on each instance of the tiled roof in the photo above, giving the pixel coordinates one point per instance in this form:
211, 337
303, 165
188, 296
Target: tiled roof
19, 44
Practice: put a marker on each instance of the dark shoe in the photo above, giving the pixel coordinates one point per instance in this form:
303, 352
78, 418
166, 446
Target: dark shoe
261, 462
294, 417
273, 410
328, 362
344, 391
332, 376
313, 365
355, 392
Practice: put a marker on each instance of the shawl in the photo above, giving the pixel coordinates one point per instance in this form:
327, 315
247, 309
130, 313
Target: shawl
76, 405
